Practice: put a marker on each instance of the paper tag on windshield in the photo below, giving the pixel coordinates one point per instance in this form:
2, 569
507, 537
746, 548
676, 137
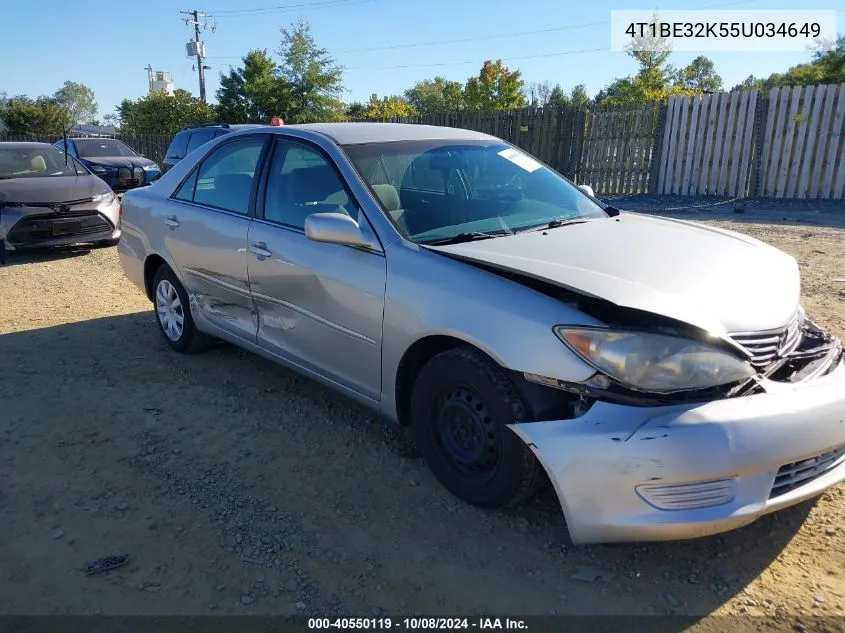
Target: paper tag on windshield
520, 160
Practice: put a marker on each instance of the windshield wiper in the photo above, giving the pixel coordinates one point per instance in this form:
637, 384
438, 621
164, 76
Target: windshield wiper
557, 222
470, 236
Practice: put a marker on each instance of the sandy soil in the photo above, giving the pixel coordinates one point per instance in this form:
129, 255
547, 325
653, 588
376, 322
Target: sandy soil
237, 486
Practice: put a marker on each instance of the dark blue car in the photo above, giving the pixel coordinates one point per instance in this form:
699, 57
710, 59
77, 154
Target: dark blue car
113, 161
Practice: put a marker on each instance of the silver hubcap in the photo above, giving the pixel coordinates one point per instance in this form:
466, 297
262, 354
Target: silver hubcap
169, 309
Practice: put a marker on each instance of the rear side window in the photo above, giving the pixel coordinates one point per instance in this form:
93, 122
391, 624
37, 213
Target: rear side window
225, 177
199, 137
178, 146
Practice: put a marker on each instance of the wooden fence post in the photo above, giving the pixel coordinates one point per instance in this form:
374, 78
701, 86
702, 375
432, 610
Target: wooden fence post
576, 143
657, 149
755, 185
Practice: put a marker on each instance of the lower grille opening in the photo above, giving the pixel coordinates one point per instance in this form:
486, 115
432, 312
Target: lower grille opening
794, 475
33, 230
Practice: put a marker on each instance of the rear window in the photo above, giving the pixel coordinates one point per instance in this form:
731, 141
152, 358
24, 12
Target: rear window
199, 137
178, 146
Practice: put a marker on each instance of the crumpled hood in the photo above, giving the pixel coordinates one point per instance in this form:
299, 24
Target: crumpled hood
50, 189
711, 278
118, 161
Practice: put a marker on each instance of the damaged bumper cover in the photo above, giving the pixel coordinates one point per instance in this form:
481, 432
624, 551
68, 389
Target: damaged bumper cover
635, 473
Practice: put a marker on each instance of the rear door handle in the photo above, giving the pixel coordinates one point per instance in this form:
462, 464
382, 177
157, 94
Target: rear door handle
260, 249
171, 221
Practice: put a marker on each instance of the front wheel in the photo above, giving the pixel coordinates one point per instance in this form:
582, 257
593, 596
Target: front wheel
461, 405
173, 313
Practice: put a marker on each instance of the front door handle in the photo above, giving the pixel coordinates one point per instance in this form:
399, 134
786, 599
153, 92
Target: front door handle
171, 221
260, 250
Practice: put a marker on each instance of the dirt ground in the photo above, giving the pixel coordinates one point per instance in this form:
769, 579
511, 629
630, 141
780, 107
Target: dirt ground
237, 486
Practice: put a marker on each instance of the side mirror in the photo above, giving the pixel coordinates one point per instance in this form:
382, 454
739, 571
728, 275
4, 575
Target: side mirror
588, 190
334, 228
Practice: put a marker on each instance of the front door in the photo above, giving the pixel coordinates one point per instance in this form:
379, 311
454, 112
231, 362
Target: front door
206, 230
319, 305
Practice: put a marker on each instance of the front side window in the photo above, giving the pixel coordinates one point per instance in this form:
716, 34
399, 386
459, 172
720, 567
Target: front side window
37, 162
224, 179
447, 188
302, 182
102, 147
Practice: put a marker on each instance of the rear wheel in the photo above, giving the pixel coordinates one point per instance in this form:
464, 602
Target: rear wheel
173, 314
461, 405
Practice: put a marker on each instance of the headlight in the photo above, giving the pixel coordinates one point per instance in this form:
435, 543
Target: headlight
106, 197
99, 169
150, 167
654, 362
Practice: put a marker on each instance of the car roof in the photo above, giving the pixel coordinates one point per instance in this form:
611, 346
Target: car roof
360, 132
25, 145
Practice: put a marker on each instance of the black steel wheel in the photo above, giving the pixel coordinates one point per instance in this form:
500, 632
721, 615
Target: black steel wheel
461, 405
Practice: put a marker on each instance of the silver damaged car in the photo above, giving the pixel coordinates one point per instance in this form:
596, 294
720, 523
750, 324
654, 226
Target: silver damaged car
523, 328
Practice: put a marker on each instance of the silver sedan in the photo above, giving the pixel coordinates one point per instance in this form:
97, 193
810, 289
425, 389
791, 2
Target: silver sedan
661, 374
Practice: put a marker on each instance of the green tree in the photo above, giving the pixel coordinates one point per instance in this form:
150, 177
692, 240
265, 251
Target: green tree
433, 96
388, 107
699, 75
160, 113
558, 98
826, 67
314, 79
254, 92
749, 83
76, 102
579, 97
355, 111
495, 88
537, 93
22, 115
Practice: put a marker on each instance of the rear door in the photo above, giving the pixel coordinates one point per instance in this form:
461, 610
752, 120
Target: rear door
206, 228
319, 305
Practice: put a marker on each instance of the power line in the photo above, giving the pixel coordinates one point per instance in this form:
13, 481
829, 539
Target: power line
495, 35
199, 20
289, 8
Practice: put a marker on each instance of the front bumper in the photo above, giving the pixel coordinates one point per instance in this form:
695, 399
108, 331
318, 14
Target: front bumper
27, 227
735, 448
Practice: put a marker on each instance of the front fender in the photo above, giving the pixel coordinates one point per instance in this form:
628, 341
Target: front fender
429, 294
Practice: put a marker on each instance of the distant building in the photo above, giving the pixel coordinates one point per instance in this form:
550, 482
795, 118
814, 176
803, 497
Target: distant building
160, 81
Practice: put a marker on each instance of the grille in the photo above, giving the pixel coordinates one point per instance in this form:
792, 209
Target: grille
138, 174
127, 177
796, 474
34, 229
765, 346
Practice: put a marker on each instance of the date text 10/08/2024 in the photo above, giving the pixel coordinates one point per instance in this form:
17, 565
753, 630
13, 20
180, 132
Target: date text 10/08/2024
480, 623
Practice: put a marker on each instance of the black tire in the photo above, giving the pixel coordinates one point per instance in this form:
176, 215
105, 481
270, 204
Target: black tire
190, 340
461, 405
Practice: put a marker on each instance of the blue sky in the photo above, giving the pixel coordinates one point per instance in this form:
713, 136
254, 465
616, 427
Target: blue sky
107, 46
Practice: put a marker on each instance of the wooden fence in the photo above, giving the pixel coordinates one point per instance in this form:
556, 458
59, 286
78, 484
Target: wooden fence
707, 144
803, 149
617, 148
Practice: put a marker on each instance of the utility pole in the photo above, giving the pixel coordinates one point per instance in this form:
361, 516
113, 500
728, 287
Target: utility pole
200, 21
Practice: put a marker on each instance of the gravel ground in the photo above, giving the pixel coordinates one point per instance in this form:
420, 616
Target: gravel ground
237, 486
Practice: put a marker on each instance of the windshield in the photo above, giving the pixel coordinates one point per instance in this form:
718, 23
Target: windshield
434, 190
37, 162
101, 147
